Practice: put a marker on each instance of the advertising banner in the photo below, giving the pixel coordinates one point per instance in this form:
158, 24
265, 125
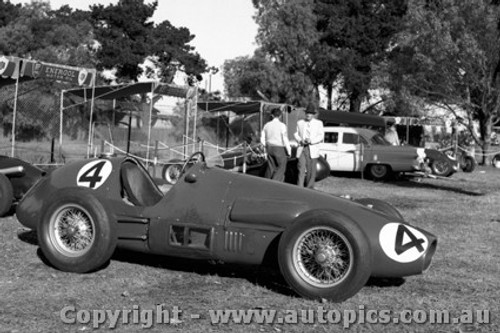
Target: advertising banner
74, 75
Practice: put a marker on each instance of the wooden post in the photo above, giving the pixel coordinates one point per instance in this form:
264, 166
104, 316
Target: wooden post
102, 146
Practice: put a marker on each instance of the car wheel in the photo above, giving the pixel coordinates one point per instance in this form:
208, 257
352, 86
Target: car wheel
379, 171
76, 233
381, 206
441, 168
6, 194
171, 173
469, 164
323, 257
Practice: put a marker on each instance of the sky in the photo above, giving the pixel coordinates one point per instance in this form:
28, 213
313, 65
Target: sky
223, 29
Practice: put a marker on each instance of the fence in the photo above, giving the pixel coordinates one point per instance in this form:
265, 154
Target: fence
31, 132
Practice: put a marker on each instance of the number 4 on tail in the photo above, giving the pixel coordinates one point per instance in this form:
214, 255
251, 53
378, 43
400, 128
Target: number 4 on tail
414, 241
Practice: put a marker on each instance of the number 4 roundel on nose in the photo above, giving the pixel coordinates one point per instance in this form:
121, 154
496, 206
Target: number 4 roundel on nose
94, 174
402, 242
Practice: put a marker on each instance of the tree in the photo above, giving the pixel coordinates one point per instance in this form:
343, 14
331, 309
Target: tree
449, 55
253, 76
8, 12
288, 37
359, 34
128, 36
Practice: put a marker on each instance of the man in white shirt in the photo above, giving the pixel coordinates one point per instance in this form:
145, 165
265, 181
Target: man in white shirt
391, 135
275, 138
309, 134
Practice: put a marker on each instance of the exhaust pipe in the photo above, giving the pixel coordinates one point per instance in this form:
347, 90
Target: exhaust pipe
13, 171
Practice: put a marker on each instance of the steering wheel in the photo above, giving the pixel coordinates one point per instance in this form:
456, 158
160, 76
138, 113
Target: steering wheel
199, 159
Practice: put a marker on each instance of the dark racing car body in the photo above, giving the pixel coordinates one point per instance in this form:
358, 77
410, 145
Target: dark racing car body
327, 246
16, 178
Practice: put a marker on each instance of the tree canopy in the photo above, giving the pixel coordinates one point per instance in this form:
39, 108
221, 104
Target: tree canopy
449, 55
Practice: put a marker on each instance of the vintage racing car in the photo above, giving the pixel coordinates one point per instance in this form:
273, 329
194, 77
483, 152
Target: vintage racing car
256, 165
16, 178
326, 246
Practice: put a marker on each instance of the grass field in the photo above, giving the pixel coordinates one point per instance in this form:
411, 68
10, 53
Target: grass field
463, 212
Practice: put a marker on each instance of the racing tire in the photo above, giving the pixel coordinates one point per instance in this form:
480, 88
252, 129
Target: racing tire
381, 206
495, 161
76, 233
379, 171
468, 164
171, 173
441, 168
324, 256
6, 195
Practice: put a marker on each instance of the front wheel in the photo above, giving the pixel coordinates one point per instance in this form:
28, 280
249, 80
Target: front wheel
323, 257
441, 168
379, 171
76, 233
468, 164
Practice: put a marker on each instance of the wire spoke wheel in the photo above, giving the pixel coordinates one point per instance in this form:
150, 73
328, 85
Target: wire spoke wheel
441, 167
322, 257
173, 173
72, 230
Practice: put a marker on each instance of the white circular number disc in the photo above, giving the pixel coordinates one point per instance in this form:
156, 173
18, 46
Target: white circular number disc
402, 242
94, 174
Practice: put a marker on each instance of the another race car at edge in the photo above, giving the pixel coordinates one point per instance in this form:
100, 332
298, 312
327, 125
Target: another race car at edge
16, 178
326, 246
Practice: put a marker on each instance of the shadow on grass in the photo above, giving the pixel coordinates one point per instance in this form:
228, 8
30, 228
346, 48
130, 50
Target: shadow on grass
445, 184
454, 186
385, 282
266, 275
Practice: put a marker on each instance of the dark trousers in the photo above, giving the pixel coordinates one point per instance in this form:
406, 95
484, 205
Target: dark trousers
276, 163
307, 169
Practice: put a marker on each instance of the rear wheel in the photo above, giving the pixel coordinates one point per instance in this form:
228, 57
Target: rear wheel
76, 233
6, 194
324, 258
171, 173
379, 171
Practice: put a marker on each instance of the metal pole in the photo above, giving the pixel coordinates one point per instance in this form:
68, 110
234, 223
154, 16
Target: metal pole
150, 120
186, 127
14, 114
89, 148
61, 110
195, 107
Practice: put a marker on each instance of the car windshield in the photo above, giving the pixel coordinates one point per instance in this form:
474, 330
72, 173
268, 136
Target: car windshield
378, 139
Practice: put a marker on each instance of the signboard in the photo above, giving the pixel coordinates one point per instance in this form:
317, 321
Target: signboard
74, 75
9, 67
